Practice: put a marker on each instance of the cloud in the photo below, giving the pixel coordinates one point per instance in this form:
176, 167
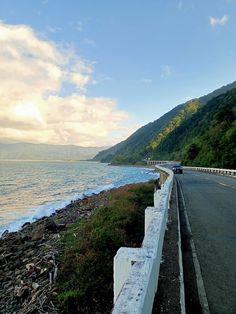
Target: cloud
214, 21
33, 73
166, 71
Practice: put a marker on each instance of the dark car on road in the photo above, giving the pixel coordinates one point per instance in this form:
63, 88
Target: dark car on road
177, 169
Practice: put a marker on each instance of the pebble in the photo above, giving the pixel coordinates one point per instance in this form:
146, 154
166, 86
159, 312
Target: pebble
28, 259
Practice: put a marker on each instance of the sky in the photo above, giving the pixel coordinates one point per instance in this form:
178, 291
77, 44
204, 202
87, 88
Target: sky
91, 72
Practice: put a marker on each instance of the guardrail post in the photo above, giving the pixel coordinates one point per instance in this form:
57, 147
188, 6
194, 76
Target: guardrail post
123, 261
136, 270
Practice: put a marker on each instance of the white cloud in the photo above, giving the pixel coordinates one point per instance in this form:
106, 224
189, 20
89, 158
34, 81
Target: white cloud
166, 71
32, 73
214, 21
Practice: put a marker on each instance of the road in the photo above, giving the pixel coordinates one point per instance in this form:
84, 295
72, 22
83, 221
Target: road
211, 207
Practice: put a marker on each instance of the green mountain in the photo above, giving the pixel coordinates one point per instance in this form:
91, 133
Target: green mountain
157, 139
207, 138
26, 151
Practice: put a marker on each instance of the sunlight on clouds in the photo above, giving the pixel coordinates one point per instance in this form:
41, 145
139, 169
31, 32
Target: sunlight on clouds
28, 110
32, 73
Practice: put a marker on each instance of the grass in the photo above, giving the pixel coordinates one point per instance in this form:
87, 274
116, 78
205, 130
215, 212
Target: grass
86, 272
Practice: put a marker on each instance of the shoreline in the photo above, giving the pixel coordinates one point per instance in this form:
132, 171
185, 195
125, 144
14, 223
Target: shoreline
29, 257
52, 209
32, 214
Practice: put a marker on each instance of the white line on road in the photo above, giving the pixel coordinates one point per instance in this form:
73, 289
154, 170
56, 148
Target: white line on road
200, 283
229, 186
181, 272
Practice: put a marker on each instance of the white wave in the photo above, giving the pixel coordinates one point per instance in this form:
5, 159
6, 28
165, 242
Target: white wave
113, 177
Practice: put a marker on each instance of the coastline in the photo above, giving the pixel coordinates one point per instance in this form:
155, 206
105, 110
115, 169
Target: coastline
46, 206
28, 257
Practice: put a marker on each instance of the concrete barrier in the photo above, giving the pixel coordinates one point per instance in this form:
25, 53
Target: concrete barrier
229, 172
136, 270
159, 162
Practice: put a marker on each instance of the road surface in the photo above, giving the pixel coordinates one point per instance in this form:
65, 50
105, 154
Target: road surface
211, 207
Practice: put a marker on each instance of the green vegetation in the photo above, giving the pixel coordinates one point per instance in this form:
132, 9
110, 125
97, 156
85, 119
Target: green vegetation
136, 147
190, 108
208, 138
200, 132
86, 271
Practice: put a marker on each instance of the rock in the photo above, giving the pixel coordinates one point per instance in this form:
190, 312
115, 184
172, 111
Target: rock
29, 253
29, 271
8, 255
28, 244
2, 260
45, 225
49, 224
25, 225
29, 266
5, 233
61, 226
22, 292
35, 285
38, 232
15, 264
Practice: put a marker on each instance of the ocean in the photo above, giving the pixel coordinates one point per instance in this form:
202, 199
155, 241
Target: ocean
30, 190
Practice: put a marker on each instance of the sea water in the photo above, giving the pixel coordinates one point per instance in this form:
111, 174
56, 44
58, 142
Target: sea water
30, 190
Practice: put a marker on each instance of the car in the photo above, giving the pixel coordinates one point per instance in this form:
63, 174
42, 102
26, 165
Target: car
177, 169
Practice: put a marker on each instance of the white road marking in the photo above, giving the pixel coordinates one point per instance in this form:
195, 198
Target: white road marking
200, 284
229, 186
181, 272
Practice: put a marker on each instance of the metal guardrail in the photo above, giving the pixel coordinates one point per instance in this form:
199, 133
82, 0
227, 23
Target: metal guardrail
160, 162
136, 270
230, 172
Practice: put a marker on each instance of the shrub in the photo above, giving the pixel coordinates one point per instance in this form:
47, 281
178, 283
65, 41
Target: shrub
86, 271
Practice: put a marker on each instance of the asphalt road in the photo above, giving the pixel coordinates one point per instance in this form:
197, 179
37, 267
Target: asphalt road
211, 207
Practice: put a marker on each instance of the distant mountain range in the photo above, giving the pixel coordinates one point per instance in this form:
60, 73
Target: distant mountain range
200, 132
25, 151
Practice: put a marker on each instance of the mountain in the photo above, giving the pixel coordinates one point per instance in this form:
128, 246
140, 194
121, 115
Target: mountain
207, 138
25, 151
148, 141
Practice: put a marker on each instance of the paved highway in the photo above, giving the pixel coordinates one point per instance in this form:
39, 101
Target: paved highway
211, 207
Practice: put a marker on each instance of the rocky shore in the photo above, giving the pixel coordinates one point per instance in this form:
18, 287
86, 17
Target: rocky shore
29, 259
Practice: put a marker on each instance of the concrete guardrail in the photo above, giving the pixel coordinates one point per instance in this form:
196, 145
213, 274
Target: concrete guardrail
230, 172
136, 270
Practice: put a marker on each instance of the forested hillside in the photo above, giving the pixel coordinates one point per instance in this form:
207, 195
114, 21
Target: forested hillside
135, 147
208, 138
160, 139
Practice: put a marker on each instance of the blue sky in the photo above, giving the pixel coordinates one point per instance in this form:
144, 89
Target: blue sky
144, 56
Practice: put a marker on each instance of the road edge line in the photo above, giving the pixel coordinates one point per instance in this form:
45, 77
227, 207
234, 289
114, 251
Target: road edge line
200, 284
181, 272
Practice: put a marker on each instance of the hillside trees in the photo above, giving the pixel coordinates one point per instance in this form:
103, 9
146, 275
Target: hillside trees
200, 132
